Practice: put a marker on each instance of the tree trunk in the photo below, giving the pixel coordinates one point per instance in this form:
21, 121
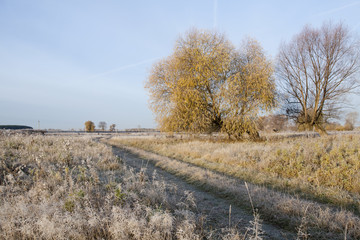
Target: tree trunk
321, 130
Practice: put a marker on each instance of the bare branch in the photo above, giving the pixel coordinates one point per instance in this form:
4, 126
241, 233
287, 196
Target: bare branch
318, 68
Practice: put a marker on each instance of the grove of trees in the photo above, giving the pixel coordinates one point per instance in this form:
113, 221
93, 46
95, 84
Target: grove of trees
208, 85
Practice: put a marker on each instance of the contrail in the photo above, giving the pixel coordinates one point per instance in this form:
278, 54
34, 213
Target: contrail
123, 68
339, 8
215, 13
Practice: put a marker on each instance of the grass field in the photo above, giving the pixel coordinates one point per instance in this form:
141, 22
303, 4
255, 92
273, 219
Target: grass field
74, 187
55, 187
322, 172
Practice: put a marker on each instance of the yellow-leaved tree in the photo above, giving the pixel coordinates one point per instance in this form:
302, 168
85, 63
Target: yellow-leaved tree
207, 85
89, 126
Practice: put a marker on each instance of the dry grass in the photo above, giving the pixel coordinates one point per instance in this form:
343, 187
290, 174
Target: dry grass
326, 169
322, 170
75, 188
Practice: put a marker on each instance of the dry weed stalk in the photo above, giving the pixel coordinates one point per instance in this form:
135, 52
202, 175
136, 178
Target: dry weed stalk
255, 230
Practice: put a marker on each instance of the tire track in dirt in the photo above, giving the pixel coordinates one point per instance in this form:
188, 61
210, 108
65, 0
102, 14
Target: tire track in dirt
214, 207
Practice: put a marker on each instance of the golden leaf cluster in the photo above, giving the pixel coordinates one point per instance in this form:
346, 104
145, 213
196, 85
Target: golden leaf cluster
89, 126
208, 85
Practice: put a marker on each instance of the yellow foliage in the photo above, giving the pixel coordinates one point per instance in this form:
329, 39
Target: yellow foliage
207, 85
89, 126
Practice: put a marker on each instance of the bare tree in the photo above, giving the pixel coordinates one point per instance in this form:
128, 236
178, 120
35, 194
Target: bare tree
102, 125
112, 127
351, 120
316, 70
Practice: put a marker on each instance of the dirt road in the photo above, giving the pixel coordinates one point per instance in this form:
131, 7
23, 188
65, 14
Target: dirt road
215, 208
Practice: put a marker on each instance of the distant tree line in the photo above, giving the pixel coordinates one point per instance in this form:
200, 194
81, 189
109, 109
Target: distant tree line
90, 126
14, 127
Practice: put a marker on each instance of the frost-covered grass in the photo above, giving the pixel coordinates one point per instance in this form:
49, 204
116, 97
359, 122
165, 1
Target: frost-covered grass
314, 178
55, 187
327, 168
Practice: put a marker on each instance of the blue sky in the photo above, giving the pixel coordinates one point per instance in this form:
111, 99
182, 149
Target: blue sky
65, 62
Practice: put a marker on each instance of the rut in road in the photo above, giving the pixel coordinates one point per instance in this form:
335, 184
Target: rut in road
215, 208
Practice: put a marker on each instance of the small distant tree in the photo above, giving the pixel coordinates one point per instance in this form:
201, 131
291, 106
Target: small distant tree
102, 125
89, 126
350, 120
112, 127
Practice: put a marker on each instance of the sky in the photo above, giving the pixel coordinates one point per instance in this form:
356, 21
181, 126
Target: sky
63, 63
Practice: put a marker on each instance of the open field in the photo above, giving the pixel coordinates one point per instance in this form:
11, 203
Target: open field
56, 187
77, 187
324, 168
316, 179
217, 211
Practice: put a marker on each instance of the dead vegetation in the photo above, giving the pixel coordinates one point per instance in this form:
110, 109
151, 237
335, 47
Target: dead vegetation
75, 188
56, 187
301, 183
